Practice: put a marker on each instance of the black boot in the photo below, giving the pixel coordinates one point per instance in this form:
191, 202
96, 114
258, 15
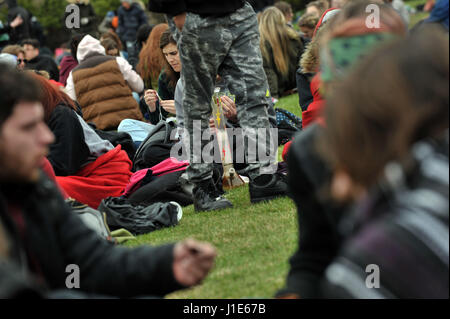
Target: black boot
208, 198
267, 187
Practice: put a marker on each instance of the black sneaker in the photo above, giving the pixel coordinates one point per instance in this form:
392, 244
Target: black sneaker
208, 198
268, 187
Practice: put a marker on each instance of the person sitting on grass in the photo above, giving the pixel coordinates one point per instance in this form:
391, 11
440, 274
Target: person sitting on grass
160, 106
35, 61
44, 236
281, 49
309, 173
395, 169
103, 85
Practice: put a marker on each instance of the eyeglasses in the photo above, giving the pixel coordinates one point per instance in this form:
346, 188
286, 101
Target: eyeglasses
19, 61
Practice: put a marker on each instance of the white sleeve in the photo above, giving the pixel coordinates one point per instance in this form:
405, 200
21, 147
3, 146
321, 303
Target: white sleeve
70, 87
133, 79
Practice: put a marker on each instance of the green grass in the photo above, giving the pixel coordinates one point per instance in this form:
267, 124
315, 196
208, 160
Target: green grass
414, 18
253, 241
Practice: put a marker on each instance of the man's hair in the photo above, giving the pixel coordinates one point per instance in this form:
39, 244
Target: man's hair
283, 6
15, 87
13, 49
33, 42
74, 42
113, 36
308, 20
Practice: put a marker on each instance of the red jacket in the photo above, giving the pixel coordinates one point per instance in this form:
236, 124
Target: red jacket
314, 111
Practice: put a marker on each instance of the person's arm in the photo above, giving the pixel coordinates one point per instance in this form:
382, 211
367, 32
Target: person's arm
304, 91
142, 18
70, 87
114, 270
120, 29
69, 151
133, 79
123, 272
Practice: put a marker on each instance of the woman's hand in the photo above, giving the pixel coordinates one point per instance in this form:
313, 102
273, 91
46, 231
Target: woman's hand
229, 108
150, 99
169, 106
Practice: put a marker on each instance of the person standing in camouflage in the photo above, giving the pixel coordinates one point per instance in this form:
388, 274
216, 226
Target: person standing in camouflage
220, 37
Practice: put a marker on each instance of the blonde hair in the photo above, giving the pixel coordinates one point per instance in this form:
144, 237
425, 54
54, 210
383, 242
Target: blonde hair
13, 49
276, 34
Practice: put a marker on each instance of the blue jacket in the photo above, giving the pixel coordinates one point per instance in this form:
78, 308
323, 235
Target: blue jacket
130, 21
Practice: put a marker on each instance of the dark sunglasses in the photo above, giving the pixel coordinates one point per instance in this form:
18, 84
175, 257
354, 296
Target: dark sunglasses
20, 61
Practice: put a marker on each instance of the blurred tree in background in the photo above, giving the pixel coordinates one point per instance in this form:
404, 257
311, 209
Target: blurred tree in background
50, 13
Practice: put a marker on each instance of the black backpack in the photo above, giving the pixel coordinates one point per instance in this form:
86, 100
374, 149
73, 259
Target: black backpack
288, 124
156, 146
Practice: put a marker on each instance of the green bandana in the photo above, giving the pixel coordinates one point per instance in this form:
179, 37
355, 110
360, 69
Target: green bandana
341, 53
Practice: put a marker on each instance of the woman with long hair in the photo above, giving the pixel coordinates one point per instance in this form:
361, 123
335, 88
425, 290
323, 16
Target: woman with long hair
281, 49
151, 60
83, 162
156, 106
348, 40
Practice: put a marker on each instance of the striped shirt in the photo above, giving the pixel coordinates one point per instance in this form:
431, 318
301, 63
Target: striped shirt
399, 247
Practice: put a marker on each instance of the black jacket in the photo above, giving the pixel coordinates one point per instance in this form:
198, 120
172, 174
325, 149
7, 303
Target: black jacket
44, 63
202, 7
69, 152
54, 238
319, 238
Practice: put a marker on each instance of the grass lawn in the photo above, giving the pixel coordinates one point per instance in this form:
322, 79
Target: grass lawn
253, 242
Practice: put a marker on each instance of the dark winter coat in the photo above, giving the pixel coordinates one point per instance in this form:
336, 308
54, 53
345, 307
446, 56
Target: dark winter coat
130, 21
45, 63
53, 237
319, 239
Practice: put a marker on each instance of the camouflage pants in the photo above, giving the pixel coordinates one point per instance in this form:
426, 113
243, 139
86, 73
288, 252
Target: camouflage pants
229, 46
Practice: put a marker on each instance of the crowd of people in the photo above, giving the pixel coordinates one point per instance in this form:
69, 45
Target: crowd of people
368, 171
